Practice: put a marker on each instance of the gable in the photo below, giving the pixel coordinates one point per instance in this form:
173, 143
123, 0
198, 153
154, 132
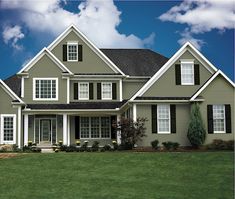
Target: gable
93, 60
166, 84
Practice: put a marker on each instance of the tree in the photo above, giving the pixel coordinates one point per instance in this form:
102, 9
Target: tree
131, 131
196, 129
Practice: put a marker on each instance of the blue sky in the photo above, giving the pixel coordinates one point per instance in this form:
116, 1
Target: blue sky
162, 26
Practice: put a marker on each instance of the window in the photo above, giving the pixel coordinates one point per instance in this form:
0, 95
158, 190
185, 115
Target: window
187, 72
219, 118
106, 90
83, 91
72, 51
45, 89
8, 129
163, 118
95, 127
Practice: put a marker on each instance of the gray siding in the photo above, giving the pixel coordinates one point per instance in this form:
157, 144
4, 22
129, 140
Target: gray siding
130, 88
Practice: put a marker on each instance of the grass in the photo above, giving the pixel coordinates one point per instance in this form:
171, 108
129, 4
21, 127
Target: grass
124, 175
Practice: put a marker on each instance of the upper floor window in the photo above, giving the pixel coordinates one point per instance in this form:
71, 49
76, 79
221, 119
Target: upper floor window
8, 129
72, 51
106, 90
45, 89
187, 72
83, 91
163, 118
219, 118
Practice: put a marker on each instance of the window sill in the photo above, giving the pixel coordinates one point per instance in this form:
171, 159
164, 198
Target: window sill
219, 132
163, 133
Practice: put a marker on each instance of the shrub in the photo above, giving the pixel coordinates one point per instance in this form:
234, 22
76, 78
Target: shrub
125, 146
63, 147
196, 130
218, 144
71, 148
84, 146
95, 146
31, 149
155, 144
132, 131
107, 147
170, 145
115, 145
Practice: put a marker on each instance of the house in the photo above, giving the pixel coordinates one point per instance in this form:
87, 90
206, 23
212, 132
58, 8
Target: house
71, 90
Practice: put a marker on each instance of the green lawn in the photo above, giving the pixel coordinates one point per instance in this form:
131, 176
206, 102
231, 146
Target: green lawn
118, 175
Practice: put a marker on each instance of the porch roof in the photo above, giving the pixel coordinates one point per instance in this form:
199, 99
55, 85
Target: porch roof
78, 105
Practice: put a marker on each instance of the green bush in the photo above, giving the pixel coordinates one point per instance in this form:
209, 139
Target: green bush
71, 148
196, 130
218, 144
95, 146
171, 145
107, 147
63, 147
155, 144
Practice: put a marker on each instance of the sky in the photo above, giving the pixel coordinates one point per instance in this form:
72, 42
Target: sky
26, 26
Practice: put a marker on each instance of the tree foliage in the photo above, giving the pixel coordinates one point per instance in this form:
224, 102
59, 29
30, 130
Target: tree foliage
196, 129
131, 131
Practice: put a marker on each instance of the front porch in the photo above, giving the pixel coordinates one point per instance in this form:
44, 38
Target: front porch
48, 129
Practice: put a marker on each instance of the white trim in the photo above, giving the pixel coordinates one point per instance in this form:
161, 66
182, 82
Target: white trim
45, 99
168, 64
70, 110
19, 127
22, 87
169, 112
68, 90
94, 78
134, 113
79, 83
65, 128
224, 118
103, 98
10, 92
68, 130
39, 56
120, 90
72, 44
2, 129
151, 101
89, 43
209, 81
26, 129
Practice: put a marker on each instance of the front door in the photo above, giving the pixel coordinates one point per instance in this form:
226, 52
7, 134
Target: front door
45, 130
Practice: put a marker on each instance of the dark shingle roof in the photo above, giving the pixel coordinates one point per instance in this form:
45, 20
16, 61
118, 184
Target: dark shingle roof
79, 105
14, 83
136, 62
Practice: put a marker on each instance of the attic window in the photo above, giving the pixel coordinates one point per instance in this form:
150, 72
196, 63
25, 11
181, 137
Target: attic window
187, 73
72, 51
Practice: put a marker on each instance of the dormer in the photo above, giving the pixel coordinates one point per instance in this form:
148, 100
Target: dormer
72, 52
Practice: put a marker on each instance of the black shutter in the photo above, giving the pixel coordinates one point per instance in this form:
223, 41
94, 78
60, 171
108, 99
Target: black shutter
196, 74
64, 52
113, 129
80, 53
75, 91
210, 119
173, 118
77, 127
177, 74
228, 118
91, 95
114, 91
154, 118
98, 90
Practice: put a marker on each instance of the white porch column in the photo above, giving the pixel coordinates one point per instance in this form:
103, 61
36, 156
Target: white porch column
19, 127
134, 113
68, 130
68, 90
26, 129
119, 133
65, 129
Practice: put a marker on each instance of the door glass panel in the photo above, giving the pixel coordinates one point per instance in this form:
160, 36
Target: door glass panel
53, 131
45, 130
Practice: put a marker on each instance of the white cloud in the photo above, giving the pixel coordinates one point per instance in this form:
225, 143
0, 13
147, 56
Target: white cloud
13, 35
96, 19
202, 16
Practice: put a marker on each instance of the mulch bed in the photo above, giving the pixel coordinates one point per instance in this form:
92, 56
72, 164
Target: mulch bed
8, 155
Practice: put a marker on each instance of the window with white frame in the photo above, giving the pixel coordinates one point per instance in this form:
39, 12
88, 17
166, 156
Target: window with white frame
72, 52
219, 118
83, 91
106, 90
8, 128
45, 89
95, 127
187, 72
163, 118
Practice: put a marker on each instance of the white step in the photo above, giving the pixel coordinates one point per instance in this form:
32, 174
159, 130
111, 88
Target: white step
47, 151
